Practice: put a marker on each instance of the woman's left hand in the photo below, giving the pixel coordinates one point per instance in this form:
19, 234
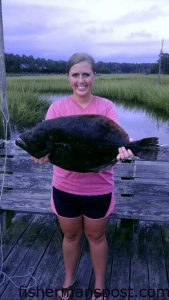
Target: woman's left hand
125, 153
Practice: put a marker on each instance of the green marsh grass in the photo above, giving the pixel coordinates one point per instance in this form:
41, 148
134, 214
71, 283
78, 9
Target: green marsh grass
26, 106
137, 91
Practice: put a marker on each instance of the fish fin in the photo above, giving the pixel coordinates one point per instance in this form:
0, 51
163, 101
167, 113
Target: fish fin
146, 148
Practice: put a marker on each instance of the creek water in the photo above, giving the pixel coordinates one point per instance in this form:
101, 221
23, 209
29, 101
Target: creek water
138, 123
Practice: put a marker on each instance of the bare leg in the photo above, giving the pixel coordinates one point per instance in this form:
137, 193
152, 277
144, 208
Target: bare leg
72, 229
95, 233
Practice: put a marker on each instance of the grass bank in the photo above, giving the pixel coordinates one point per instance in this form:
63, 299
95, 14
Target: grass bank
26, 108
137, 91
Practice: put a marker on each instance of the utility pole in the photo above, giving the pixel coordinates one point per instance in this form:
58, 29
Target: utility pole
159, 65
3, 97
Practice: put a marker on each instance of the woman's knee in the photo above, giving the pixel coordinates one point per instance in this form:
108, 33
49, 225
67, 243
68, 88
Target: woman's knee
95, 237
72, 236
72, 229
94, 230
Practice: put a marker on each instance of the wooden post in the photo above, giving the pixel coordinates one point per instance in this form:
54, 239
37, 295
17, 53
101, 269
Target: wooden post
3, 97
159, 66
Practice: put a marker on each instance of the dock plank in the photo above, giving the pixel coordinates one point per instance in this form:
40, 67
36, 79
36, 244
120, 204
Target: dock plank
50, 263
156, 261
17, 257
12, 235
138, 258
120, 275
139, 279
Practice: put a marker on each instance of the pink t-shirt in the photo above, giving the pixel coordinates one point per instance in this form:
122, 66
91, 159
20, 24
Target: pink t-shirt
83, 183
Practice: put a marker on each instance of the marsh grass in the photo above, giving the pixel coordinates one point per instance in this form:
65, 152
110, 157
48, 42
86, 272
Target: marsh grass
137, 91
26, 106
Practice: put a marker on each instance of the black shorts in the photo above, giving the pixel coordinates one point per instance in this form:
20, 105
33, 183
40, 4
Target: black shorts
71, 205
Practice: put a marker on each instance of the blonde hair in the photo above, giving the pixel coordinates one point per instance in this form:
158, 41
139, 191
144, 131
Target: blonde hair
79, 57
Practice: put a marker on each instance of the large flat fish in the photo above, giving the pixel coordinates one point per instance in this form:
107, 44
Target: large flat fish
83, 143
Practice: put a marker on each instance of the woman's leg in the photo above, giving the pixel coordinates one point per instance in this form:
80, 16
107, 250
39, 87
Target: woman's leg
94, 230
72, 229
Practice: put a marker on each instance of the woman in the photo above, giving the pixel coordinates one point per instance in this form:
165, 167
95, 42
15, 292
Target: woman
83, 201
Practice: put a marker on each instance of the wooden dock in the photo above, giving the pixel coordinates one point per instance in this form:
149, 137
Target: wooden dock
137, 267
138, 261
141, 187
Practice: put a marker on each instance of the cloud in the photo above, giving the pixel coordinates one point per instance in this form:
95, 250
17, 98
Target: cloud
140, 35
56, 29
130, 51
130, 44
140, 16
99, 28
37, 18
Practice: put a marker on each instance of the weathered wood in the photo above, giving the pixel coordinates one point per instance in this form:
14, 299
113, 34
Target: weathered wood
24, 163
14, 260
6, 218
141, 187
35, 241
139, 267
156, 261
120, 275
165, 240
27, 181
154, 170
15, 232
139, 206
138, 258
29, 202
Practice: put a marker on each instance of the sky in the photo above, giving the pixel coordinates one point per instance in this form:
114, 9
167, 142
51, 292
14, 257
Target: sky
110, 30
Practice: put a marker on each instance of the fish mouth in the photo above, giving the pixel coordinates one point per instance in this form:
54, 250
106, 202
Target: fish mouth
21, 143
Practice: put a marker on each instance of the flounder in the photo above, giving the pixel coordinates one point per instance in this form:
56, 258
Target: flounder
83, 143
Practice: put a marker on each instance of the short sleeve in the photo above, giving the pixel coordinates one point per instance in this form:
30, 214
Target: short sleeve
111, 112
52, 112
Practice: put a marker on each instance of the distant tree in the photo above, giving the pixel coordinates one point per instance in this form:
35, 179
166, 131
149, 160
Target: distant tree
154, 68
12, 63
29, 64
165, 63
102, 67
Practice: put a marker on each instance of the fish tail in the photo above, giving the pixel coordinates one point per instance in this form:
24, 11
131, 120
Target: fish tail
146, 148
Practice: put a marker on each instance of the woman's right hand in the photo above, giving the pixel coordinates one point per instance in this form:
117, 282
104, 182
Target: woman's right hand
41, 160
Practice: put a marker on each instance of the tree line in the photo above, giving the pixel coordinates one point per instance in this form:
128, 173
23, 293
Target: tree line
29, 64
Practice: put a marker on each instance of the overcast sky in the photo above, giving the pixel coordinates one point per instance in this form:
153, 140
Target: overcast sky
110, 30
